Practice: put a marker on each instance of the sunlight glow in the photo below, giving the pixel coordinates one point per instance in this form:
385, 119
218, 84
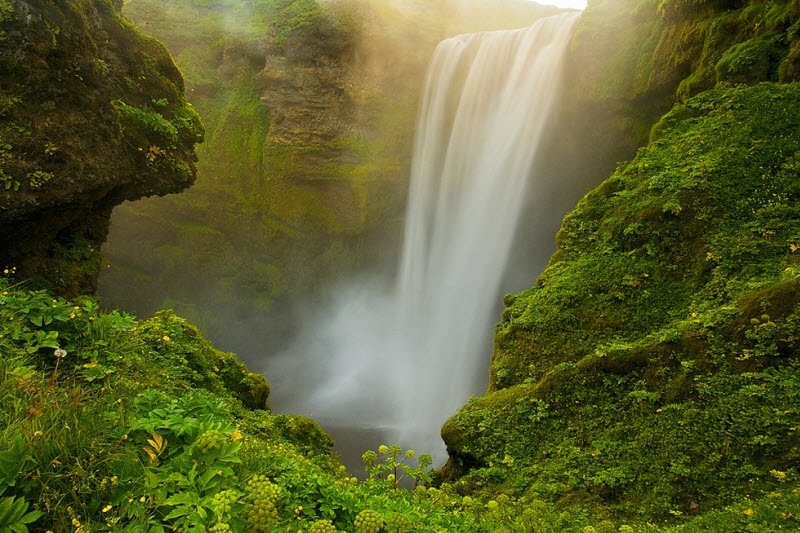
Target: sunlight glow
567, 4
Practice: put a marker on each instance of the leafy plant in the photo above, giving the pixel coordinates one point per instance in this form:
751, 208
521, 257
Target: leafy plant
390, 463
14, 515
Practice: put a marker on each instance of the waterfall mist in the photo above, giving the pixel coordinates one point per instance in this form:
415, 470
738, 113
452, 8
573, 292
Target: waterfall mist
402, 359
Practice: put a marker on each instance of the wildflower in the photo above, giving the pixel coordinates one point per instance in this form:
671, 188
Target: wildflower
748, 512
165, 338
60, 352
142, 499
236, 435
410, 454
106, 509
383, 449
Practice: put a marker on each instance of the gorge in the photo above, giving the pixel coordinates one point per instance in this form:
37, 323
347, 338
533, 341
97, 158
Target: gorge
644, 376
402, 362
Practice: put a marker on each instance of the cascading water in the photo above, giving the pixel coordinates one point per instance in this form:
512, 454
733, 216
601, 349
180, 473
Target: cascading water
406, 361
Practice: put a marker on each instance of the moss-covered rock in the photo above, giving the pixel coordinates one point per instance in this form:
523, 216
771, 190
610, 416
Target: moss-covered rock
191, 359
630, 62
93, 113
653, 366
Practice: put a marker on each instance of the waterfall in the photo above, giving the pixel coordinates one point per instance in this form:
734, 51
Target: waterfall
406, 361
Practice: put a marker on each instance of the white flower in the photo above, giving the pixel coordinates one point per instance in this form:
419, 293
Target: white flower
60, 352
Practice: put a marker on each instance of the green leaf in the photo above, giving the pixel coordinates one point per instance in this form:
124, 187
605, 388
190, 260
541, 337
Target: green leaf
183, 498
33, 516
12, 510
5, 510
183, 510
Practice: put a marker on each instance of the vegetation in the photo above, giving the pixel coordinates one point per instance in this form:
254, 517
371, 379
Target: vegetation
114, 424
652, 368
71, 147
647, 382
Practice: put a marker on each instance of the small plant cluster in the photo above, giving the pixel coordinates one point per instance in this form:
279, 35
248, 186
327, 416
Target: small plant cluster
262, 513
390, 463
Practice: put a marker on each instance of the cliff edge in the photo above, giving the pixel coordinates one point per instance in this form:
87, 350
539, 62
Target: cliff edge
93, 113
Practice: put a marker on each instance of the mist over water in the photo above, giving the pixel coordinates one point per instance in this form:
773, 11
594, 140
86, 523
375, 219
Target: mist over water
402, 359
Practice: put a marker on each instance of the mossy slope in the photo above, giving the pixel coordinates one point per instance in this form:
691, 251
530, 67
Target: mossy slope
93, 114
653, 366
631, 61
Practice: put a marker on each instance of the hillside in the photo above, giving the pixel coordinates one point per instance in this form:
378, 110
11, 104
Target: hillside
652, 367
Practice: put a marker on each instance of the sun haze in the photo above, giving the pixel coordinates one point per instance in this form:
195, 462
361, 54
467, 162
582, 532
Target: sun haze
567, 4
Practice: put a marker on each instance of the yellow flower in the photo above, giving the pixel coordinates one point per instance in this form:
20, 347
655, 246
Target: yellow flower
107, 508
383, 449
165, 338
748, 512
236, 435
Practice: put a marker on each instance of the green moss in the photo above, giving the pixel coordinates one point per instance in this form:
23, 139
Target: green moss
637, 373
181, 348
753, 59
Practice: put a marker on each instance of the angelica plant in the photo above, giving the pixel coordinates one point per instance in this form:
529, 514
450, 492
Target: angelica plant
390, 463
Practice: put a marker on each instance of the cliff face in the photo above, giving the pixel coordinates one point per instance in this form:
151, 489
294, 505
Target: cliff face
631, 61
93, 114
310, 109
646, 367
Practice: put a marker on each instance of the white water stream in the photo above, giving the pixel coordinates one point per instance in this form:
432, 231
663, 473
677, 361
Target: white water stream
404, 362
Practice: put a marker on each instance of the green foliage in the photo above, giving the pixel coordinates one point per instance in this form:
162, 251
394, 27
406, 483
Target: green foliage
290, 17
114, 424
645, 371
149, 121
14, 515
390, 464
6, 11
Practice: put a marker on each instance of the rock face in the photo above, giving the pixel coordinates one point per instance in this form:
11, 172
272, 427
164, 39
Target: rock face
636, 372
310, 109
93, 113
